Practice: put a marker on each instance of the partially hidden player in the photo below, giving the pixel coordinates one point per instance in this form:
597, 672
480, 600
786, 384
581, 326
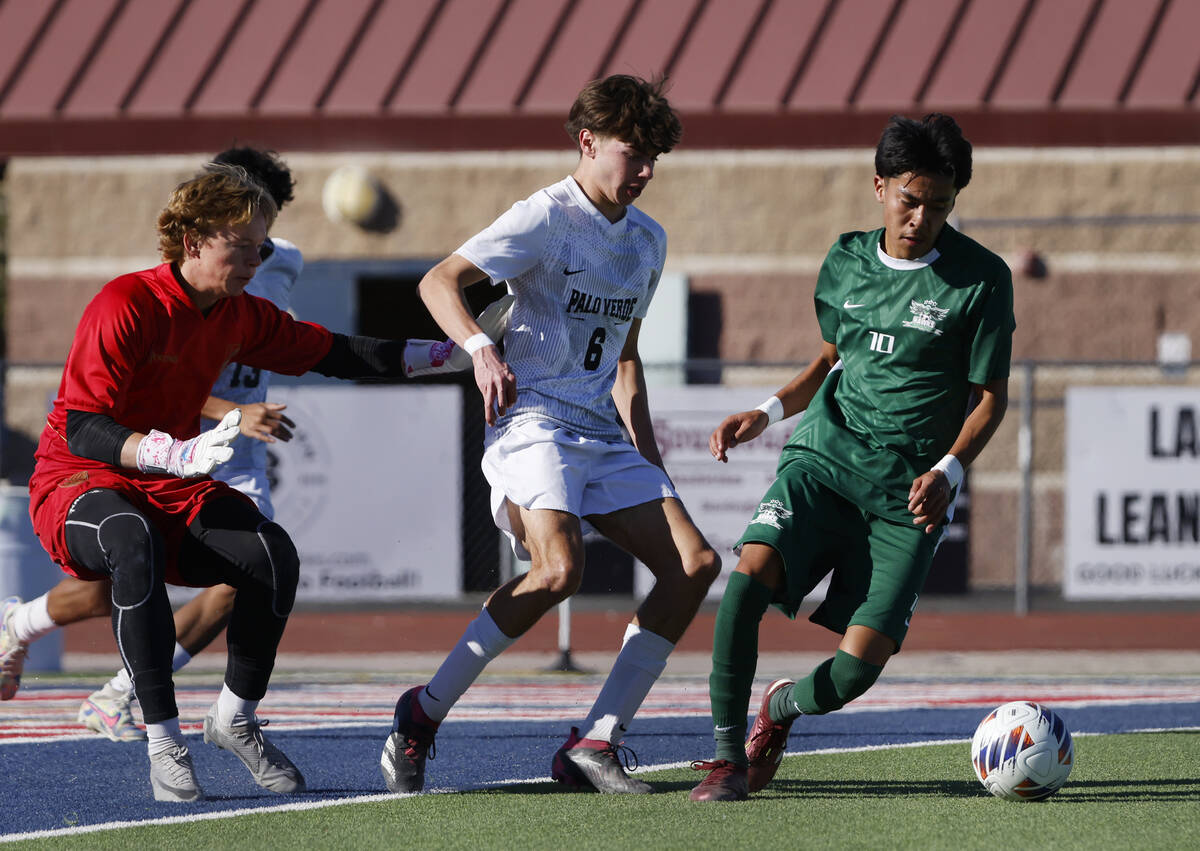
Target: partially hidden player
922, 318
121, 491
583, 264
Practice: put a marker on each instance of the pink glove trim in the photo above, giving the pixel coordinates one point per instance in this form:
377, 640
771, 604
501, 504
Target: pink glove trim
154, 452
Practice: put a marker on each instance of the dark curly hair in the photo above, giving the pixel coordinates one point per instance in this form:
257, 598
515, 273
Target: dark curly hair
627, 108
264, 166
933, 146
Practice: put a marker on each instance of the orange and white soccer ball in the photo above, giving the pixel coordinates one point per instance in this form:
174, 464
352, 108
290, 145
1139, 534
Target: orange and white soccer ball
1022, 751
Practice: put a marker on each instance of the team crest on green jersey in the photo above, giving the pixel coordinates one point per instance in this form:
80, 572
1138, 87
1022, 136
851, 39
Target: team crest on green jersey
770, 513
926, 316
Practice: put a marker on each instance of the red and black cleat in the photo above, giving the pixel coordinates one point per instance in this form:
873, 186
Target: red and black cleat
411, 742
593, 764
725, 782
767, 741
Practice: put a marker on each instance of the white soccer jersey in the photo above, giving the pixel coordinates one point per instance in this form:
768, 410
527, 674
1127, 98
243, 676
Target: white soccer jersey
273, 280
579, 280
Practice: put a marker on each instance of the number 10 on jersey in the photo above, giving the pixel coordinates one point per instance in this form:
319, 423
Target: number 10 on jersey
883, 343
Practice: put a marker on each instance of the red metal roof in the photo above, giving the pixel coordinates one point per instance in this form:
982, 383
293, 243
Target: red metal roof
80, 76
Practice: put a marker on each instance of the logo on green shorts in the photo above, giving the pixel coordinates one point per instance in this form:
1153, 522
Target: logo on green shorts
770, 513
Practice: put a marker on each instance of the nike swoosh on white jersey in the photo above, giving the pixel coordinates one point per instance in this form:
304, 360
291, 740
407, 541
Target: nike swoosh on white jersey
848, 306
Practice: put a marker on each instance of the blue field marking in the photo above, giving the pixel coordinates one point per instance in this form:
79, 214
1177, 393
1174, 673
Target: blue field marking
82, 781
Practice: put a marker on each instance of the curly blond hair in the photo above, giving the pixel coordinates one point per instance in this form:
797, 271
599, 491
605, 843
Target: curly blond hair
222, 195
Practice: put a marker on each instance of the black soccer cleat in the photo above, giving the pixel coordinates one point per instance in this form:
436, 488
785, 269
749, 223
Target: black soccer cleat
410, 743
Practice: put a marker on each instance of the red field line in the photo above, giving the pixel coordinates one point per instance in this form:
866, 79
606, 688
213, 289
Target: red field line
601, 630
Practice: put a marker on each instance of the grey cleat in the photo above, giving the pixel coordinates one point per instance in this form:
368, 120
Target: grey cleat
592, 764
172, 777
268, 765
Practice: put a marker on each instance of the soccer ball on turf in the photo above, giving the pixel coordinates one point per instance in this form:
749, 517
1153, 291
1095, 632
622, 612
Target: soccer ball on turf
1022, 751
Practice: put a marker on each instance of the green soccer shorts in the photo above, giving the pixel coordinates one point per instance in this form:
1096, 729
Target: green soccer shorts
878, 566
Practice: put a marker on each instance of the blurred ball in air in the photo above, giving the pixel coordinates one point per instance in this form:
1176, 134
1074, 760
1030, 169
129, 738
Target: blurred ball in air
353, 196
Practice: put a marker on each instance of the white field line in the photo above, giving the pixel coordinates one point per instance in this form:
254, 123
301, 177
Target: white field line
367, 799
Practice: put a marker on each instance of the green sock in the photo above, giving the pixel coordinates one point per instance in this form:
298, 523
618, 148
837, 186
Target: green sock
734, 659
830, 686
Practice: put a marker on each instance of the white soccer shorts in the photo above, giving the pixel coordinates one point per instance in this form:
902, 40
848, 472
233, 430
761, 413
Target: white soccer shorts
538, 465
253, 483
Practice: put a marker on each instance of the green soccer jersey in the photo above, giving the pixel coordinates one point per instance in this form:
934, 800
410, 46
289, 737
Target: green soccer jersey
913, 335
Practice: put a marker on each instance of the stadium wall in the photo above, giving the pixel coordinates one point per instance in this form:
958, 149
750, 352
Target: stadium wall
1102, 243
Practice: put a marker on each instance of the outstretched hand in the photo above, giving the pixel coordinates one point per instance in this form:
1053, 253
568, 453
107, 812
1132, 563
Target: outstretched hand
929, 498
201, 455
265, 421
735, 429
158, 452
496, 382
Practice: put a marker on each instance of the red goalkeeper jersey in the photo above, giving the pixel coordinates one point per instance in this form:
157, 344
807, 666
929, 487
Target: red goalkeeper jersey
145, 356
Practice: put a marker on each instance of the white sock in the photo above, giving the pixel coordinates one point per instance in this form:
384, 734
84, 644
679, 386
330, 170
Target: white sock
163, 735
32, 620
641, 660
181, 657
121, 682
480, 643
232, 709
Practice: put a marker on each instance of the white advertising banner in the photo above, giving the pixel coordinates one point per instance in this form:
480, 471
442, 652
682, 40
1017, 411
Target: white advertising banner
369, 488
721, 498
1132, 493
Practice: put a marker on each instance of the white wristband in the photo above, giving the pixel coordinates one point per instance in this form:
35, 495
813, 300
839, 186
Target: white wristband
952, 468
477, 342
773, 408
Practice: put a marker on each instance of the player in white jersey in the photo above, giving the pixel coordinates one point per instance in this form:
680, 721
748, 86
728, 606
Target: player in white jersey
243, 387
583, 264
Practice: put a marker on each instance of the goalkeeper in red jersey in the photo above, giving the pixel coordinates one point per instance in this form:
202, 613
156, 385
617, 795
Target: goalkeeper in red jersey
121, 491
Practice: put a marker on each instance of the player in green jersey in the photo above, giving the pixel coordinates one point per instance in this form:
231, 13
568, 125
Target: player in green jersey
921, 319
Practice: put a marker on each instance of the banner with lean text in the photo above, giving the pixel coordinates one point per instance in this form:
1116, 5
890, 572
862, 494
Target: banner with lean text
1132, 493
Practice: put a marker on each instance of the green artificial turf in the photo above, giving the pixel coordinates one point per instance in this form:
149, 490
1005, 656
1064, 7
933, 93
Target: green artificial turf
1138, 790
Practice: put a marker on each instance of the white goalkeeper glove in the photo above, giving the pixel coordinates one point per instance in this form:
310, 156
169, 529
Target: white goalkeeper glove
160, 453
